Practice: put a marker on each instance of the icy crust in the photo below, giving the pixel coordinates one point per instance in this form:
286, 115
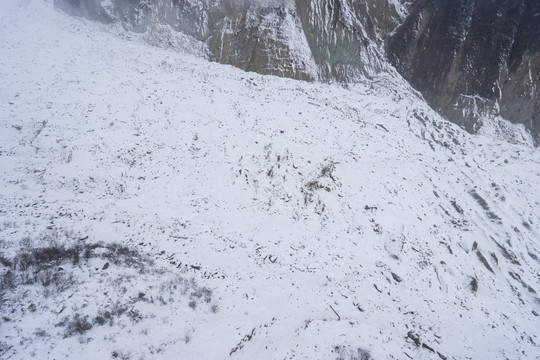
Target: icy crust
319, 222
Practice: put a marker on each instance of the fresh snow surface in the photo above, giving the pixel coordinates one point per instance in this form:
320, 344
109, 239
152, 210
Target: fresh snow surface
240, 216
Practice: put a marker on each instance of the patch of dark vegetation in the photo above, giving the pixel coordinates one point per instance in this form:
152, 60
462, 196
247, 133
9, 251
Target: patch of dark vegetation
58, 281
347, 353
4, 348
79, 324
45, 265
47, 257
203, 294
75, 325
480, 200
122, 255
41, 333
121, 355
107, 317
5, 262
316, 185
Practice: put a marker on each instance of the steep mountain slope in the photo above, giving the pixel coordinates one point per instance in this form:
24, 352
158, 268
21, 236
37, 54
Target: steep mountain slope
470, 57
309, 40
158, 206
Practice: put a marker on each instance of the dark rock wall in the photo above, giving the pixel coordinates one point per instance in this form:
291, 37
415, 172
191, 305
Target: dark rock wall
267, 40
344, 36
323, 40
472, 56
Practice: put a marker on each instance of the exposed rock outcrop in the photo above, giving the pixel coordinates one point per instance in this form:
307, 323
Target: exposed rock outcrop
310, 40
473, 56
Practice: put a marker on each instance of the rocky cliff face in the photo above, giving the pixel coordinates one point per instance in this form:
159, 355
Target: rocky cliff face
473, 56
467, 57
309, 40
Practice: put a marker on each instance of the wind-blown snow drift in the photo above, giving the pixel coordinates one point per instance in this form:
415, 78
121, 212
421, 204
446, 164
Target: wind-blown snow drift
201, 212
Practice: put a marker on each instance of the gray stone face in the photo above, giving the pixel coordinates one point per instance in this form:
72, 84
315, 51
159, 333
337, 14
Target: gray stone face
326, 40
267, 40
342, 37
469, 56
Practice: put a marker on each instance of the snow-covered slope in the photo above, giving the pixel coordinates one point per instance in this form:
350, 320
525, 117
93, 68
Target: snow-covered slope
157, 206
